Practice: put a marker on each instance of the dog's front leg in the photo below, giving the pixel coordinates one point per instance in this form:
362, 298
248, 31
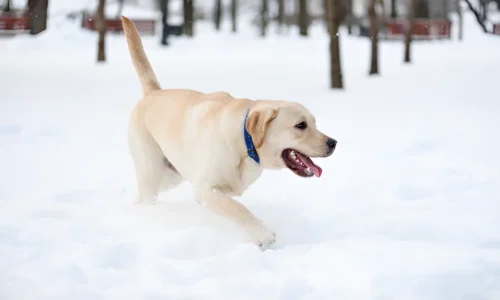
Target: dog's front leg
225, 206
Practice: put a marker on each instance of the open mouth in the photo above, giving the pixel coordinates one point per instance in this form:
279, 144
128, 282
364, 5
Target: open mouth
300, 163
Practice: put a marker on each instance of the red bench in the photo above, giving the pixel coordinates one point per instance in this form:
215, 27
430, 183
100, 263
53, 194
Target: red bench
422, 29
145, 27
11, 24
496, 29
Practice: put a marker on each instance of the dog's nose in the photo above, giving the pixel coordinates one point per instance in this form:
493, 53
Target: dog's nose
331, 143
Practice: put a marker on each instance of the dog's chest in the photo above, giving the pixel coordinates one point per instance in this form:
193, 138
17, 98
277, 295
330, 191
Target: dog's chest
237, 183
249, 172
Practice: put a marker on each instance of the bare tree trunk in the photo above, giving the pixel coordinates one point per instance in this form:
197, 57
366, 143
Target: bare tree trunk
409, 30
234, 15
281, 14
101, 28
394, 9
263, 17
460, 20
421, 8
7, 6
164, 21
303, 18
478, 17
218, 14
484, 9
374, 37
334, 11
188, 8
38, 15
481, 10
349, 15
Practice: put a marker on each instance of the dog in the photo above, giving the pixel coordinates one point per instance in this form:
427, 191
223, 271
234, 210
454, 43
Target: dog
217, 143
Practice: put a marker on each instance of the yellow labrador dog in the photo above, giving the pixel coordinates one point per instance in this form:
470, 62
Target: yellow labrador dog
216, 142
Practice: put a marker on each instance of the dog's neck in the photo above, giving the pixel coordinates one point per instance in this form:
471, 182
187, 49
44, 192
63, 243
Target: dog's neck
250, 146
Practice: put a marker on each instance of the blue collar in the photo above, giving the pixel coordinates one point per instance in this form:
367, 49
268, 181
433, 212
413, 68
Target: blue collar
252, 152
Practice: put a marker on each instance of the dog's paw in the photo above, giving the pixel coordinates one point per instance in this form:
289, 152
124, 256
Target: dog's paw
262, 237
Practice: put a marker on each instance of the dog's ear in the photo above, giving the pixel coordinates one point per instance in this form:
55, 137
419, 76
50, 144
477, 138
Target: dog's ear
257, 123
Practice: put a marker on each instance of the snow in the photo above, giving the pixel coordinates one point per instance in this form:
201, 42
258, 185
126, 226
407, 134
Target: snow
407, 207
130, 11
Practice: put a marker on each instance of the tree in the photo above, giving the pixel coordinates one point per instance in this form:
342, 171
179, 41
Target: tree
234, 15
421, 9
334, 19
164, 21
483, 6
37, 15
7, 6
101, 28
394, 9
218, 14
409, 30
188, 9
479, 18
263, 17
349, 15
303, 18
281, 14
372, 12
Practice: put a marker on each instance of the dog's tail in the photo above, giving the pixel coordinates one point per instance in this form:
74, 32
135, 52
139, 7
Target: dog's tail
141, 63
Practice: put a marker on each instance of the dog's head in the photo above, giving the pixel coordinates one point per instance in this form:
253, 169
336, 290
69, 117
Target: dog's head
285, 135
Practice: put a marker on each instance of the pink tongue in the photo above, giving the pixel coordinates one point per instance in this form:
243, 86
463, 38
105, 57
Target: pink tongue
309, 163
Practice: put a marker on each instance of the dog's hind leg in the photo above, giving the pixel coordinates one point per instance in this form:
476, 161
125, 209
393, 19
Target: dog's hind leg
153, 171
149, 169
155, 180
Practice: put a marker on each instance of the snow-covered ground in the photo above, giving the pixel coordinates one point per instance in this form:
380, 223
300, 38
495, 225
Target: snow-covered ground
407, 207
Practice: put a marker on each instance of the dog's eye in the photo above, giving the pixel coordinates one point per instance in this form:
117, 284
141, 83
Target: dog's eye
301, 125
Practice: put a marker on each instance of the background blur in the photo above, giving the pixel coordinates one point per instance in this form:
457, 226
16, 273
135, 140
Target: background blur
407, 206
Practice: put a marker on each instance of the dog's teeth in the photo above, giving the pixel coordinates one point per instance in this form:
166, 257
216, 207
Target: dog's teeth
308, 171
